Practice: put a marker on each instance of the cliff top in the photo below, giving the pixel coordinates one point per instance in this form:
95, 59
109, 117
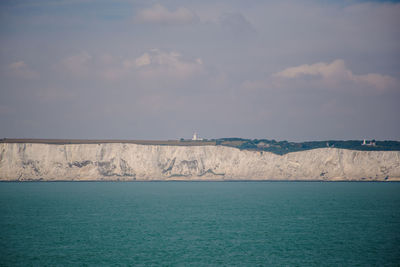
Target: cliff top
277, 147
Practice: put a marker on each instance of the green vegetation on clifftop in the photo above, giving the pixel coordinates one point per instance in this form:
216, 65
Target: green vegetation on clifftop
283, 147
277, 147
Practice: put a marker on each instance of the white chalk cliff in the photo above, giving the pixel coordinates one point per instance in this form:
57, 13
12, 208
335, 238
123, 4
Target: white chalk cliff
118, 161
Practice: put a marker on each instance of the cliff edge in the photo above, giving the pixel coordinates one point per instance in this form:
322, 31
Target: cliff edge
122, 161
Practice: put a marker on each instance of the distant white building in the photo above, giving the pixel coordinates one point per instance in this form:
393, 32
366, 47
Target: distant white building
196, 137
371, 143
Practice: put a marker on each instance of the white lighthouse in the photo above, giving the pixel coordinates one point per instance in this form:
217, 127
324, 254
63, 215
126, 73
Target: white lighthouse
196, 137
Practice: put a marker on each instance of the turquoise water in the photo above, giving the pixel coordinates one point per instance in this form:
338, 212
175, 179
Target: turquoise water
200, 223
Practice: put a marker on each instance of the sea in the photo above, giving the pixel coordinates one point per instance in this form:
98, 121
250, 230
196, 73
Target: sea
199, 224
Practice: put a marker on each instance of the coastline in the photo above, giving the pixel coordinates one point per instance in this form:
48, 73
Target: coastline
133, 162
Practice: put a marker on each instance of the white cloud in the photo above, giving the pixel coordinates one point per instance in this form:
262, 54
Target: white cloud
152, 64
157, 63
326, 70
376, 80
143, 60
335, 73
158, 14
20, 69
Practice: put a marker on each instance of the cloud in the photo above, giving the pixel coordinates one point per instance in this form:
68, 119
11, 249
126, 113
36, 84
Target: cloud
152, 64
326, 70
20, 69
143, 60
157, 63
158, 14
335, 73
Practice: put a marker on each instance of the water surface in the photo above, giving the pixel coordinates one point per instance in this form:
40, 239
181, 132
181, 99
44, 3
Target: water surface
200, 223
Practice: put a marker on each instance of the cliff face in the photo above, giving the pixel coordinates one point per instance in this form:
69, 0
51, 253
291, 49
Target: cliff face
148, 162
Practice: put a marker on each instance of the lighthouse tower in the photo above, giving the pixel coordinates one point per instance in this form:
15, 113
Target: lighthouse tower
195, 137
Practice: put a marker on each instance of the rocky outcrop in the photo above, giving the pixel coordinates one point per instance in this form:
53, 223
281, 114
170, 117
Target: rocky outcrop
119, 161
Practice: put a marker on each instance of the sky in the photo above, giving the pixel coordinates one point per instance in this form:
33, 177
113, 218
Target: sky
285, 70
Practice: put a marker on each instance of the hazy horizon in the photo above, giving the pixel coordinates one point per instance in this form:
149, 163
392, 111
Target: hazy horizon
157, 70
